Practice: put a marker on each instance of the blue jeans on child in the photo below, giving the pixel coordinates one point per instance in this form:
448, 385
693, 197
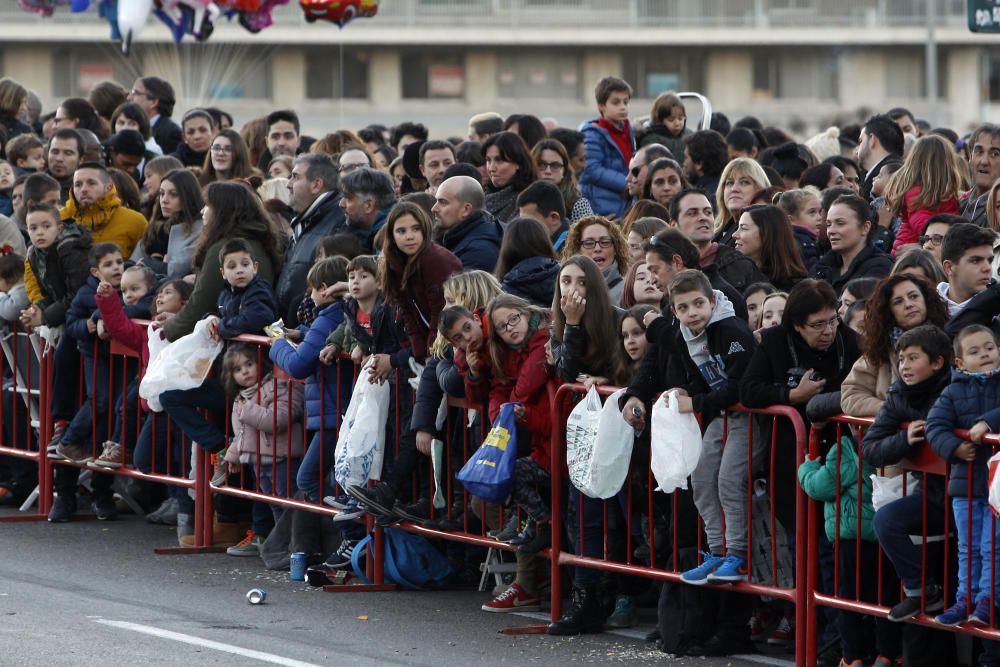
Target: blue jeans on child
974, 556
102, 385
272, 480
150, 456
894, 523
183, 407
310, 479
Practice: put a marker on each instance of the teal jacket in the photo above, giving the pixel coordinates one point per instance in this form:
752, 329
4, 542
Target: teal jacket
819, 481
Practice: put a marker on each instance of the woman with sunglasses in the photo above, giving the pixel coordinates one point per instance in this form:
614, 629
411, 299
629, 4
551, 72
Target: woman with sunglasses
553, 164
603, 242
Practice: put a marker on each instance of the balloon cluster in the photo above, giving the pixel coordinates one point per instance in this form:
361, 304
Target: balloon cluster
128, 18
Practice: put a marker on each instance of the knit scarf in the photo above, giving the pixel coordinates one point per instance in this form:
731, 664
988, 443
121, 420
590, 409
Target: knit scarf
983, 376
95, 216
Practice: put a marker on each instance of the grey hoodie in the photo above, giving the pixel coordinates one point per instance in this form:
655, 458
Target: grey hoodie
712, 367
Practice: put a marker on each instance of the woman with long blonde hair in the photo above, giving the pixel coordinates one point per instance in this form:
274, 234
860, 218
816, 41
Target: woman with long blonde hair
742, 179
929, 183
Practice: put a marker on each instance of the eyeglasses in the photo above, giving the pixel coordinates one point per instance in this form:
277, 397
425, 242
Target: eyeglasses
138, 93
635, 171
550, 166
351, 166
509, 324
935, 239
590, 244
824, 325
219, 148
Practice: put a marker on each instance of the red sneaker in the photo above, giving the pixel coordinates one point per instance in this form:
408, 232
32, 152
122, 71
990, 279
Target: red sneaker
514, 598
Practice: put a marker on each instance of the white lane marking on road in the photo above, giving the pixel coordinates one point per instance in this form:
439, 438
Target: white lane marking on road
206, 643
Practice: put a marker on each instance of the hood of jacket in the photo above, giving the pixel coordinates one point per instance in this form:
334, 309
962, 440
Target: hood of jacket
533, 279
953, 308
97, 215
478, 227
722, 310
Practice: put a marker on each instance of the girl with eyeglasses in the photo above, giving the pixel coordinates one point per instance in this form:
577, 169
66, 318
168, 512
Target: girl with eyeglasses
228, 159
554, 166
602, 242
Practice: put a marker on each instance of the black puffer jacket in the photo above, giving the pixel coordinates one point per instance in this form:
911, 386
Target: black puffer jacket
440, 377
656, 372
870, 263
533, 279
737, 269
807, 247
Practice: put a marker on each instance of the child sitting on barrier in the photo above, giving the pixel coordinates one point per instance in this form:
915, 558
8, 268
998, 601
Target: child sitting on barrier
266, 429
146, 340
247, 303
970, 402
716, 348
13, 297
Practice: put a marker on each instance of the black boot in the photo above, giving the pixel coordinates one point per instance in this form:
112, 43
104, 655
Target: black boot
585, 614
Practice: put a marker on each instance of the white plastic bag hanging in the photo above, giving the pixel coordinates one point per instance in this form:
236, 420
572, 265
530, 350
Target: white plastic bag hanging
675, 441
889, 489
581, 436
183, 364
361, 441
994, 481
608, 466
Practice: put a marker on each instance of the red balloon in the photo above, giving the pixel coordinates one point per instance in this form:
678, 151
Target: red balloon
340, 12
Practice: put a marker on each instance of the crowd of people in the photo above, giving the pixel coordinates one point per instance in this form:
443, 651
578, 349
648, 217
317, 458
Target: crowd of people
852, 272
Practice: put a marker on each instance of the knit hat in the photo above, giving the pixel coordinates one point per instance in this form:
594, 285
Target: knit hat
825, 144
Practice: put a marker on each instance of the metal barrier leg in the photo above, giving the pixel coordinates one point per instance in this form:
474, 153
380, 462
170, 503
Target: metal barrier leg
203, 512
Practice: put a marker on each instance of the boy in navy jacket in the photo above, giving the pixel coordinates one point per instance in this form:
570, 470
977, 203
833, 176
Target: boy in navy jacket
610, 145
714, 348
247, 304
970, 402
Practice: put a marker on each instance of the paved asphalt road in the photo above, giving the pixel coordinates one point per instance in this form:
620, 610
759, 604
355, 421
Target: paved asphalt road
89, 593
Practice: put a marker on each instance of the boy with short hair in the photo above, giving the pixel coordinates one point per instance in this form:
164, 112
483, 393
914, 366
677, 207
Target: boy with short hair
58, 260
610, 145
714, 348
26, 153
247, 304
924, 361
967, 258
970, 402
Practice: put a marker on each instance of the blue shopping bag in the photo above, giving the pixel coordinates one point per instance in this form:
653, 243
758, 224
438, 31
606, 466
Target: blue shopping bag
489, 473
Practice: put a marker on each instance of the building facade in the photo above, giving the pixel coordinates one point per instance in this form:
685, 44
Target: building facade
796, 63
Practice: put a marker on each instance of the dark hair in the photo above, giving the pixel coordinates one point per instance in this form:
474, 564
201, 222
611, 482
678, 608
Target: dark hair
918, 258
183, 287
608, 85
198, 113
148, 275
395, 268
861, 288
435, 145
524, 238
233, 246
37, 185
720, 123
367, 183
425, 200
968, 331
807, 297
859, 306
371, 135
69, 133
569, 138
470, 152
546, 197
161, 91
127, 189
98, 251
417, 130
252, 352
233, 204
844, 163
862, 210
529, 128
12, 268
944, 219
218, 114
366, 263
659, 165
45, 208
513, 149
690, 280
672, 243
896, 113
320, 166
675, 203
86, 116
830, 196
709, 148
818, 176
450, 316
963, 236
876, 344
192, 200
387, 152
106, 96
133, 112
774, 136
241, 166
780, 257
345, 244
648, 227
743, 139
786, 160
327, 271
282, 115
486, 123
885, 129
931, 339
749, 122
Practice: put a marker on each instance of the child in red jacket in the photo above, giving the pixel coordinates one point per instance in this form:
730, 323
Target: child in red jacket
518, 333
928, 184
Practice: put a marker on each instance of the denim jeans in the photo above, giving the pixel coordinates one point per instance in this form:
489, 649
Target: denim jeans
894, 523
310, 479
592, 535
974, 556
273, 480
91, 417
65, 367
183, 407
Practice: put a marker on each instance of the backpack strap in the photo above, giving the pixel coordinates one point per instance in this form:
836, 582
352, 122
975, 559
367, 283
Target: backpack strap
359, 549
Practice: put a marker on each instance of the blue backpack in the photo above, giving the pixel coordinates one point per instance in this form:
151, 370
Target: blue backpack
410, 561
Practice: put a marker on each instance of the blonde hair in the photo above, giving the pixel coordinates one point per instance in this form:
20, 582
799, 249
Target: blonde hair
741, 166
933, 166
472, 290
274, 188
760, 311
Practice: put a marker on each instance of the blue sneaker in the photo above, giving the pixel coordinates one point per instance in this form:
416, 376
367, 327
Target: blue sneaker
981, 614
954, 615
699, 575
732, 570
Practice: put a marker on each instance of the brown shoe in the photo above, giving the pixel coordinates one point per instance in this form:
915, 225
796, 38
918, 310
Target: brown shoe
113, 456
74, 453
224, 534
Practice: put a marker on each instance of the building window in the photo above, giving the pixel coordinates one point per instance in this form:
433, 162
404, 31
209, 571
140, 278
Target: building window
330, 77
544, 75
651, 72
794, 74
992, 75
433, 75
905, 74
76, 69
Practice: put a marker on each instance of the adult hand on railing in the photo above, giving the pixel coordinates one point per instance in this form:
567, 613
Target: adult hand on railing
634, 413
915, 433
357, 355
589, 381
31, 316
966, 452
328, 355
424, 440
978, 430
806, 388
91, 326
381, 365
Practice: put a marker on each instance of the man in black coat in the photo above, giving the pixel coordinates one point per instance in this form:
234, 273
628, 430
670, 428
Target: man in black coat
156, 97
881, 140
470, 232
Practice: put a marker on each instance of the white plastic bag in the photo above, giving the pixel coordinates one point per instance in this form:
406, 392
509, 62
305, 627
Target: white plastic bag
675, 440
608, 466
581, 436
361, 441
183, 364
994, 481
888, 489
